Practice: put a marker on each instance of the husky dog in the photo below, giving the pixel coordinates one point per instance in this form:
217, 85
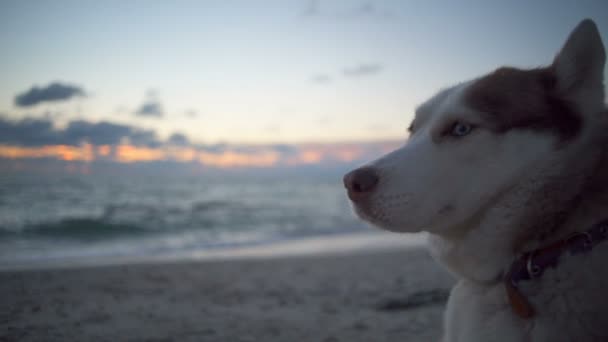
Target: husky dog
508, 174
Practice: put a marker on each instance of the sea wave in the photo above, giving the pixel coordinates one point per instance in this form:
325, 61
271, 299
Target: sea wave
202, 206
78, 228
40, 218
124, 219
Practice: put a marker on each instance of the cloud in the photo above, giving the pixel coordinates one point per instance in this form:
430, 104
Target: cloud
366, 8
178, 139
311, 9
39, 132
27, 132
38, 139
151, 108
107, 133
321, 79
363, 70
285, 149
371, 10
346, 10
52, 93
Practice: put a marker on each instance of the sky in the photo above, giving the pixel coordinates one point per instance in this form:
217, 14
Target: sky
237, 83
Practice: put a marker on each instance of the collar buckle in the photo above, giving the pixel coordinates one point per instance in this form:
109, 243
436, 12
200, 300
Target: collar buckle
532, 264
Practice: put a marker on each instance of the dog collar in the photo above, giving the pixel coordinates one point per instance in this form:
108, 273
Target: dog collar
532, 265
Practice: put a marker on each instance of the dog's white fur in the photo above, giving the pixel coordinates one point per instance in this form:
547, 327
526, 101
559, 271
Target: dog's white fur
486, 197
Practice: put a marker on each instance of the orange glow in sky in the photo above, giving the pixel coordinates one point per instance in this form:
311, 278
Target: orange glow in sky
104, 150
131, 154
239, 159
255, 156
62, 152
309, 157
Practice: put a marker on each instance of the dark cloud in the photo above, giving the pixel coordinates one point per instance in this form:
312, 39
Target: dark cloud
107, 133
27, 132
366, 8
151, 108
224, 147
371, 10
346, 10
217, 148
53, 92
144, 138
103, 133
178, 139
362, 70
39, 132
311, 9
285, 150
321, 79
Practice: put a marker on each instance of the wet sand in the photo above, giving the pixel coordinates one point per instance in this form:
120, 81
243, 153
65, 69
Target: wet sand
380, 295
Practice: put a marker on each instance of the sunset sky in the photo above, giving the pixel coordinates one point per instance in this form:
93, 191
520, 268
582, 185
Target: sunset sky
240, 83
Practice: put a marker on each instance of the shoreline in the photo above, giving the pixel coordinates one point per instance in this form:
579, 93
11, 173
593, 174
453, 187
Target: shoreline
339, 243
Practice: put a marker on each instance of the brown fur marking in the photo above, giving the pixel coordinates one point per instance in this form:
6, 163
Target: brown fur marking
511, 98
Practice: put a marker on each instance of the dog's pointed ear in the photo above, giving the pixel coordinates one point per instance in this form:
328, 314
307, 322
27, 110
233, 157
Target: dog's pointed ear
580, 63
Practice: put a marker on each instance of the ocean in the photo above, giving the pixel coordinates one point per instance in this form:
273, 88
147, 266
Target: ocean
69, 217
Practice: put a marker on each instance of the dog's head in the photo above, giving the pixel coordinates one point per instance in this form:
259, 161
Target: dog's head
469, 144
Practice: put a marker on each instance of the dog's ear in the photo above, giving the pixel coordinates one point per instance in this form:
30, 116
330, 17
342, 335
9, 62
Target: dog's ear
580, 63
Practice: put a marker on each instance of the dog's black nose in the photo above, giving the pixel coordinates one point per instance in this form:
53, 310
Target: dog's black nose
360, 182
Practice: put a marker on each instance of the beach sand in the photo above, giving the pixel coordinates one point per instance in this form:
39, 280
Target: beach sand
390, 295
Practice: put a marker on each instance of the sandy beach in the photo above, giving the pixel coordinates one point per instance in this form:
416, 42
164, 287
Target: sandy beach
394, 295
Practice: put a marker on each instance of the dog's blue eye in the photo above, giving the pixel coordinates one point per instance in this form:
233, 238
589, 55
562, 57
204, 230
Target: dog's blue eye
460, 129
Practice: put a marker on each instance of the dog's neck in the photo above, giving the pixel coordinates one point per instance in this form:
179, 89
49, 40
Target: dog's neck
559, 200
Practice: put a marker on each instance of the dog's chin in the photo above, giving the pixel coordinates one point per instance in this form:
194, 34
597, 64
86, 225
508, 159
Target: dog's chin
364, 215
369, 216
